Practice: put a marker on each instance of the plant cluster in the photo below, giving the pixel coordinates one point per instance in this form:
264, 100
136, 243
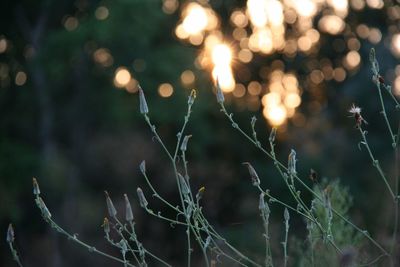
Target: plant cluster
331, 235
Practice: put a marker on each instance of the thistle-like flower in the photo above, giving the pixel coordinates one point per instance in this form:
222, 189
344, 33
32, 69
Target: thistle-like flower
142, 199
253, 174
110, 206
142, 102
355, 112
128, 210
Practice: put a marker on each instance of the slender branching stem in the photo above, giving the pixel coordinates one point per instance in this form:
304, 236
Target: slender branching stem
375, 163
317, 197
15, 254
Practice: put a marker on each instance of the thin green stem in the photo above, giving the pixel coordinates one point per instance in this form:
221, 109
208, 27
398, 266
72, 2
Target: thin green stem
236, 126
385, 115
375, 163
15, 254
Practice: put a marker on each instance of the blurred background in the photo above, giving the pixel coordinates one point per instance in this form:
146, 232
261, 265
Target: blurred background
69, 112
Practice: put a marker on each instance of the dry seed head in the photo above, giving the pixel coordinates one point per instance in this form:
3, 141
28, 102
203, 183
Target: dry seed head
10, 234
128, 210
110, 206
36, 189
220, 94
142, 199
144, 109
184, 142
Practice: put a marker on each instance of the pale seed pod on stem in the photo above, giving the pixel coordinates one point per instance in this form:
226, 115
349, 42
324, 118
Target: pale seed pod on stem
106, 226
144, 109
184, 143
110, 206
142, 199
142, 167
253, 174
36, 189
292, 162
220, 94
128, 210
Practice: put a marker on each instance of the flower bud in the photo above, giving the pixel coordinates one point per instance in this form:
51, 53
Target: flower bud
272, 135
142, 102
253, 174
286, 215
200, 193
192, 97
45, 211
142, 167
220, 94
128, 210
110, 206
184, 186
106, 226
142, 199
36, 189
184, 142
292, 162
10, 234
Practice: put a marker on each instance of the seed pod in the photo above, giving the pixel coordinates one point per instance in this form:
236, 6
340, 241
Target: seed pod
220, 94
292, 162
184, 142
142, 102
128, 210
36, 189
184, 186
200, 193
272, 135
253, 174
192, 97
10, 234
106, 226
142, 199
45, 211
286, 215
110, 206
261, 203
142, 167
